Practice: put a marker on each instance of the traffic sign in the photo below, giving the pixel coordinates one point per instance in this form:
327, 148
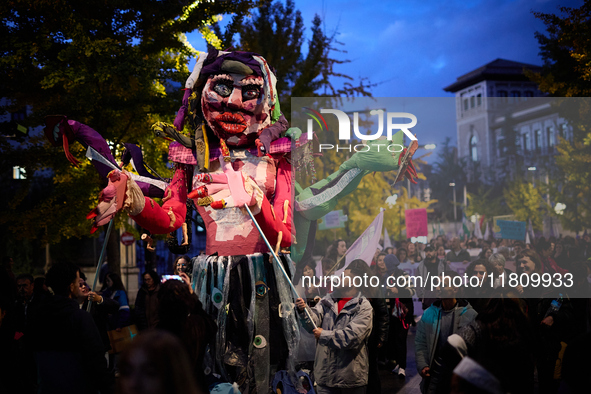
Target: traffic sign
127, 238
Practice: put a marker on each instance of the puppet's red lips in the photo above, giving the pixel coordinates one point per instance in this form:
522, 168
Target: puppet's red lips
231, 123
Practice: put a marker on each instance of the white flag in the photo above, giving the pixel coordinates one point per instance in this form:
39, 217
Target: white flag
477, 231
366, 245
387, 241
486, 232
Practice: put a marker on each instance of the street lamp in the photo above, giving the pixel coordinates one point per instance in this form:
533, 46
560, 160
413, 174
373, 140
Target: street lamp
453, 184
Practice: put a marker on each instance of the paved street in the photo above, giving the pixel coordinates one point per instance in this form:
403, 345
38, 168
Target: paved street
392, 383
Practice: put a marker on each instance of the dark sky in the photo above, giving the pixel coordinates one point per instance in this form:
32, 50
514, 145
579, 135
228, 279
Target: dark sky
416, 48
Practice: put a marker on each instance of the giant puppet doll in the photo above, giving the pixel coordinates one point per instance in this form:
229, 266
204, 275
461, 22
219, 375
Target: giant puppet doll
231, 103
231, 149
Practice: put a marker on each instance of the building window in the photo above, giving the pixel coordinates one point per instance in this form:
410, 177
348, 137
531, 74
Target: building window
563, 131
19, 115
538, 136
474, 147
472, 102
18, 173
526, 142
528, 93
479, 99
550, 136
501, 146
515, 95
503, 95
465, 104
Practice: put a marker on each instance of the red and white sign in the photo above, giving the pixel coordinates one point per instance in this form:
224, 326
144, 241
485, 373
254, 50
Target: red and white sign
127, 239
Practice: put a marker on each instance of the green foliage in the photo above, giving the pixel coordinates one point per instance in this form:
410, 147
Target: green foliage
566, 49
116, 66
486, 203
526, 202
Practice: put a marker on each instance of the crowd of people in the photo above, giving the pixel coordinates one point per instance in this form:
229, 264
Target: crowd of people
56, 331
56, 334
536, 330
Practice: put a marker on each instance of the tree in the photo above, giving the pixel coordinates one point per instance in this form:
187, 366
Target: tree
566, 52
276, 31
526, 203
447, 169
116, 66
567, 73
486, 203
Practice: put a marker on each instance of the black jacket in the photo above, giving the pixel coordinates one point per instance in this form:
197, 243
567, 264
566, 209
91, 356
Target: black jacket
381, 321
146, 308
68, 348
100, 314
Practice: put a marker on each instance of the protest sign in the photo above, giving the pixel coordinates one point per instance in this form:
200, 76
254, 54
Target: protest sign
416, 223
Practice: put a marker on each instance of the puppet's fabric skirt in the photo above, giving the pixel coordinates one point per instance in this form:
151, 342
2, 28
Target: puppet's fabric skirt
253, 305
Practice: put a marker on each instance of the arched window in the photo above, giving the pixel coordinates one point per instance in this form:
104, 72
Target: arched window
473, 147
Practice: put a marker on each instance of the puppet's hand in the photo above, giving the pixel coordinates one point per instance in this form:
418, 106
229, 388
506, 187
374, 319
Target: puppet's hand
111, 200
241, 189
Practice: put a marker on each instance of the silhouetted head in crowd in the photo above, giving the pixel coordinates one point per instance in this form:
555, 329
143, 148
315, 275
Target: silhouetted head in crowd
155, 363
336, 250
25, 285
328, 266
518, 246
485, 253
430, 254
544, 248
402, 255
114, 282
497, 262
181, 313
357, 268
480, 268
528, 262
183, 264
151, 279
64, 280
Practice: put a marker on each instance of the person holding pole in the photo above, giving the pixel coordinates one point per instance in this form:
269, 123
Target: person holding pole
344, 321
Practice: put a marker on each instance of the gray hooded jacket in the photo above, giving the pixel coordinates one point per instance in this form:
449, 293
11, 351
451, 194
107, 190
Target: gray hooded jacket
341, 354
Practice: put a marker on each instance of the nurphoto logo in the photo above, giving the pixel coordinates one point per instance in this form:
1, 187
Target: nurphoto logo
345, 128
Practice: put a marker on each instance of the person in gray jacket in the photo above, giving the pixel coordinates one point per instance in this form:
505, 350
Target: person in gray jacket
443, 318
344, 321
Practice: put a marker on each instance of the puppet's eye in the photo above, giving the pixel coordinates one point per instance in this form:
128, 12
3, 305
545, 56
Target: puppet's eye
250, 93
217, 297
259, 342
261, 289
222, 89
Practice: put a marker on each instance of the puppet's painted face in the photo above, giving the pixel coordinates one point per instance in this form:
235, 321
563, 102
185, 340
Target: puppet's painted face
234, 107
